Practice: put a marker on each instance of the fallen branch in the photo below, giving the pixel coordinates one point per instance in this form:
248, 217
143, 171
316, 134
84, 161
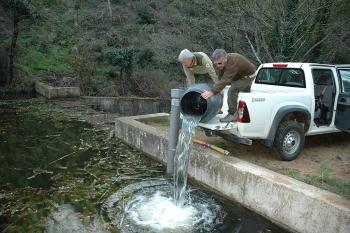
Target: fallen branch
63, 157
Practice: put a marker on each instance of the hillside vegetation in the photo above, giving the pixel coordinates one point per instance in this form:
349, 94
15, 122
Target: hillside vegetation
120, 47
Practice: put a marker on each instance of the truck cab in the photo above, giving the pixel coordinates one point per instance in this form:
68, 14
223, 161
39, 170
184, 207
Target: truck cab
286, 102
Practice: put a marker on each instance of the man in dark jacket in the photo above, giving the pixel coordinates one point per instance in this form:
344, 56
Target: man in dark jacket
234, 70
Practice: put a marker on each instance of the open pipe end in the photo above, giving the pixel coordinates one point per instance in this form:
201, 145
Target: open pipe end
192, 103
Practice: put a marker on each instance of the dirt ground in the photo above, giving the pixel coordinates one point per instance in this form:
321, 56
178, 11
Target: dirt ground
324, 162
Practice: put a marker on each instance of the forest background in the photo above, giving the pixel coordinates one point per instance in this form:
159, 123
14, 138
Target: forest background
130, 48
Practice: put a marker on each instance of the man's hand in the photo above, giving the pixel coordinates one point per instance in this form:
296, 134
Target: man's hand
207, 94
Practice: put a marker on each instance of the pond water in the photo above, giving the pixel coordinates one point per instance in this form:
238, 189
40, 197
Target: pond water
58, 174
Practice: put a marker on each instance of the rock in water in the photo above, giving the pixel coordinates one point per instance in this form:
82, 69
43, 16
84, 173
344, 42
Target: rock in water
65, 220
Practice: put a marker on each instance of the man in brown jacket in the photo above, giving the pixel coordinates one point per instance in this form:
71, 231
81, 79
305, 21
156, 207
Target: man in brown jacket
234, 70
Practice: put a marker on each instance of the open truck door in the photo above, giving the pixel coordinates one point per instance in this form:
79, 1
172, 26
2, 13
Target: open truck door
342, 116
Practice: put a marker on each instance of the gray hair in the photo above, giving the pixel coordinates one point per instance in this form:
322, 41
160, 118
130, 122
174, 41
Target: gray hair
218, 54
185, 54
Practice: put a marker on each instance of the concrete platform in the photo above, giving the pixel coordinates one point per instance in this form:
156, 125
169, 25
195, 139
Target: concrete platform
56, 92
292, 204
128, 106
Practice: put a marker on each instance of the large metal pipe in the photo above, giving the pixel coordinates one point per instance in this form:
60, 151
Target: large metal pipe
176, 95
192, 103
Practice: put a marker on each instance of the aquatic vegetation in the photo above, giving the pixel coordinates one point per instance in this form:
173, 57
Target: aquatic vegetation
52, 162
49, 156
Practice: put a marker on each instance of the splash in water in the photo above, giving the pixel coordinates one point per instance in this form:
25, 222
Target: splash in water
148, 206
164, 213
155, 210
159, 212
183, 149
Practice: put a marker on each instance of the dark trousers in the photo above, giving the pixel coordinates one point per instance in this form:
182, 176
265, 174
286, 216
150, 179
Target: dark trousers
242, 84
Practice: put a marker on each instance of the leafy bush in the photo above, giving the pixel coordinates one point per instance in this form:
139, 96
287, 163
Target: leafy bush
145, 15
122, 57
145, 57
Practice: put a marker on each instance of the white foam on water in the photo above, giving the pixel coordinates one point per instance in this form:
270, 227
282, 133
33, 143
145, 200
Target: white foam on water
160, 213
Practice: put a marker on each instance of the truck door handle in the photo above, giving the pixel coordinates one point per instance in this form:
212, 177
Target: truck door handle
343, 100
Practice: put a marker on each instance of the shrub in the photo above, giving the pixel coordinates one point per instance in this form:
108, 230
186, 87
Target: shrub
145, 57
145, 15
122, 57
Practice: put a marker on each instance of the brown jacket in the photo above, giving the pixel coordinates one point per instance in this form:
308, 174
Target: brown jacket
236, 67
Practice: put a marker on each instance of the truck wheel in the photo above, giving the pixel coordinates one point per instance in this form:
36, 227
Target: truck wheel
289, 140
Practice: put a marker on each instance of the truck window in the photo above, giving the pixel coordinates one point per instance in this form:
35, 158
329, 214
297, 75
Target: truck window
345, 80
290, 77
323, 77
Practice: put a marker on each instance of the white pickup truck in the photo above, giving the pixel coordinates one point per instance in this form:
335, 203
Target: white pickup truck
287, 102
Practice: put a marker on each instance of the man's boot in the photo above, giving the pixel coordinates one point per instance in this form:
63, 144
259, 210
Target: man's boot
229, 118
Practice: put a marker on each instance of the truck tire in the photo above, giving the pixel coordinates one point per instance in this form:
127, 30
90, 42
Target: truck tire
289, 140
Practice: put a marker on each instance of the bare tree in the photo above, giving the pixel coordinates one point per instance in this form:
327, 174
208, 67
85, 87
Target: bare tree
110, 9
21, 9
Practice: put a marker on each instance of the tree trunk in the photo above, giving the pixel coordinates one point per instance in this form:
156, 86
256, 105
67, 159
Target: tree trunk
110, 10
13, 44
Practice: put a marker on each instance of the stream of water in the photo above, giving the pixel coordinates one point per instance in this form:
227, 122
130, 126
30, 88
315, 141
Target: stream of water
183, 150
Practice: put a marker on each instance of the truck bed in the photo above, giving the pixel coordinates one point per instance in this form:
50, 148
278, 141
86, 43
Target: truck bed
215, 124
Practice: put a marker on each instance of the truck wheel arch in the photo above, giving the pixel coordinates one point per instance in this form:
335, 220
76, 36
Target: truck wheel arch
297, 112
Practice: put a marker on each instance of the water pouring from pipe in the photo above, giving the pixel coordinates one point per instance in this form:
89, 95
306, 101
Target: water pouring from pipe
174, 207
195, 109
183, 150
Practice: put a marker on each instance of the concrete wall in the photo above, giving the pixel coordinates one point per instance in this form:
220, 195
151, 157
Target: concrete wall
128, 106
287, 202
125, 106
56, 92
